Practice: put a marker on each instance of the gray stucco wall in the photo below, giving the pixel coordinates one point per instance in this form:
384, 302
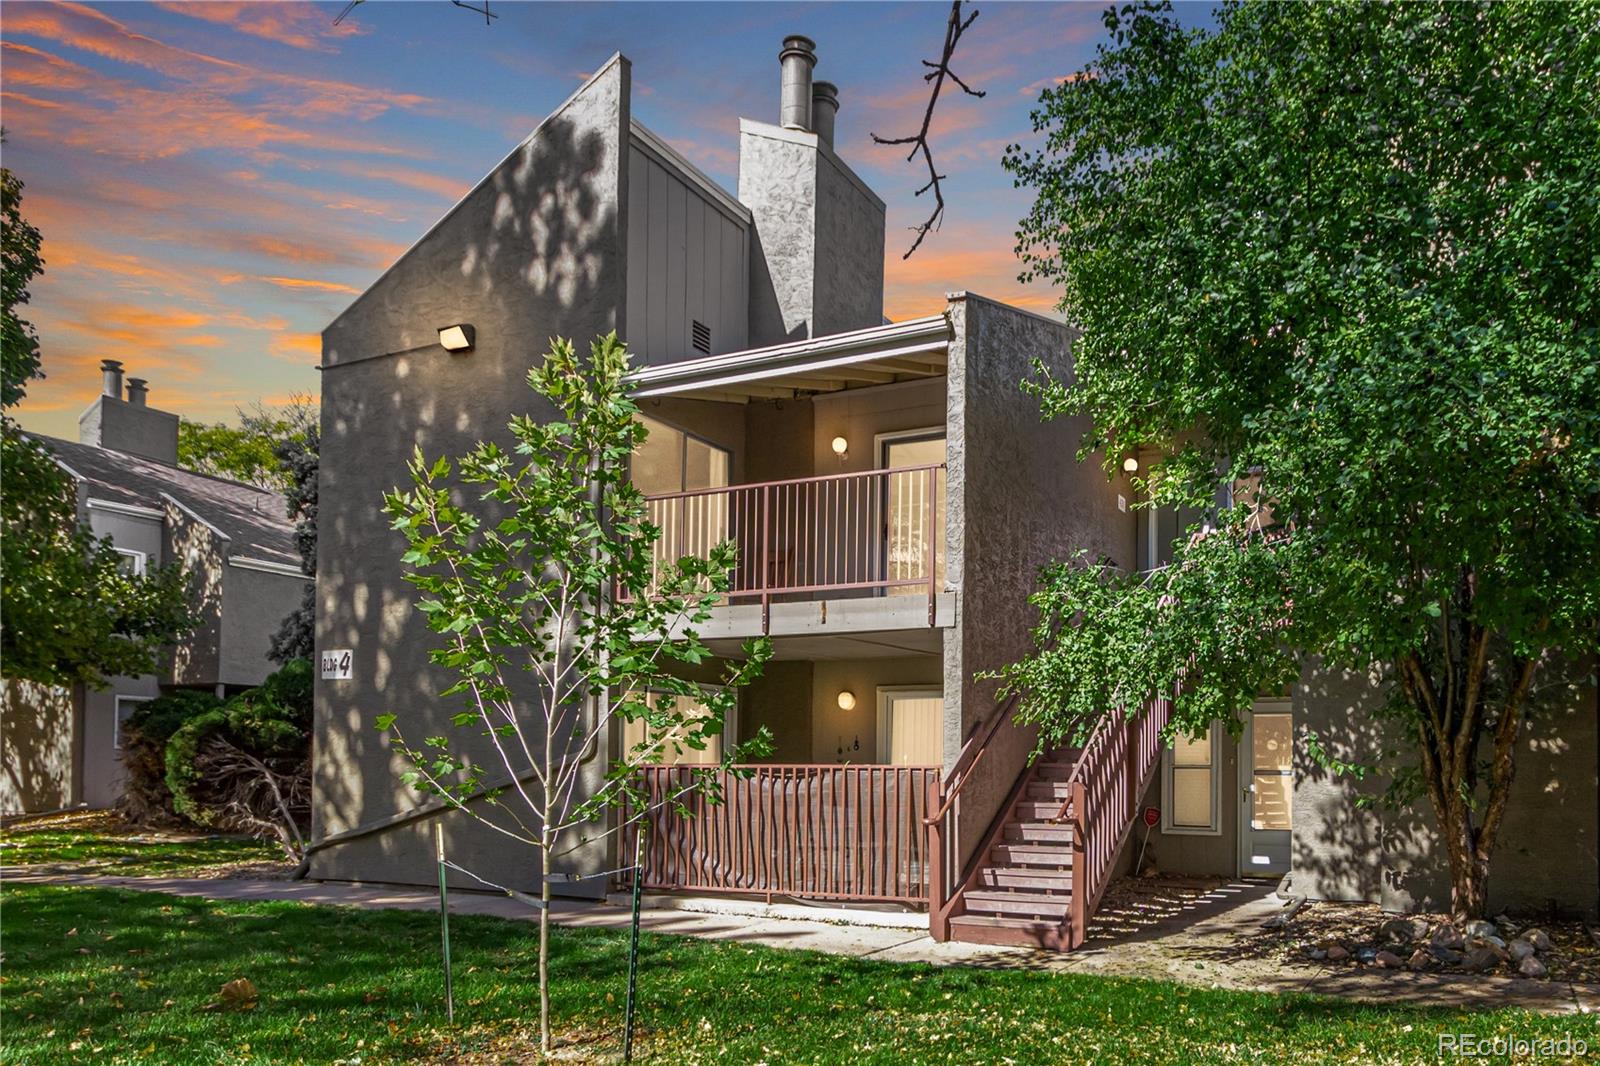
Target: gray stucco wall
780, 701
200, 550
1018, 498
254, 605
833, 727
40, 729
102, 759
535, 251
849, 250
1547, 854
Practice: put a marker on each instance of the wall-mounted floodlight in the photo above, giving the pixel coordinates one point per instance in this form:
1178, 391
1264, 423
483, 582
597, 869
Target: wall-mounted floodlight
457, 338
847, 700
1130, 465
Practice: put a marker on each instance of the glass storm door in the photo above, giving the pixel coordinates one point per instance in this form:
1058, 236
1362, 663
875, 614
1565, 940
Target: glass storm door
1266, 770
914, 526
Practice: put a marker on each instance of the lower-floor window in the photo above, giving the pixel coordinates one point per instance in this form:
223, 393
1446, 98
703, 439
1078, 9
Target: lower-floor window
674, 752
1190, 784
126, 705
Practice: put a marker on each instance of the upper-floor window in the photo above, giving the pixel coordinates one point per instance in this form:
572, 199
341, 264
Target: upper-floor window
132, 562
671, 460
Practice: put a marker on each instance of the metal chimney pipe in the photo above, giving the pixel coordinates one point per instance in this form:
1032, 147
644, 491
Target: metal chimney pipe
799, 55
824, 107
111, 378
137, 391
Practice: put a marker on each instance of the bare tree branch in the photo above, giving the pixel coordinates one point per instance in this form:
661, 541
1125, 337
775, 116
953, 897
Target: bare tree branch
937, 74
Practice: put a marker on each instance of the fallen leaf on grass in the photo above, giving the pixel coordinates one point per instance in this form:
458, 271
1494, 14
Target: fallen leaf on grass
238, 994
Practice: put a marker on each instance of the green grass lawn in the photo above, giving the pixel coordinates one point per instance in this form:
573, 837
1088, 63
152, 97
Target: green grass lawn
110, 976
100, 842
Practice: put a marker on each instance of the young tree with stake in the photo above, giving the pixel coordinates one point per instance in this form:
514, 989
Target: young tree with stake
560, 618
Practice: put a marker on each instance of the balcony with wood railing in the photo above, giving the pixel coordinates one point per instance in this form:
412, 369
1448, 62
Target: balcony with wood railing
873, 533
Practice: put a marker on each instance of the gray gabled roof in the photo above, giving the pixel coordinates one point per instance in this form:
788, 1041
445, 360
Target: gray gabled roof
253, 519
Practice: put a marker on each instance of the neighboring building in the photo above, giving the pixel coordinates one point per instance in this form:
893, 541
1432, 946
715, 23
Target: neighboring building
62, 745
892, 493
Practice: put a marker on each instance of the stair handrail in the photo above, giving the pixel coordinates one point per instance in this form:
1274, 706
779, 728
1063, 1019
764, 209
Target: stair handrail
968, 758
1095, 738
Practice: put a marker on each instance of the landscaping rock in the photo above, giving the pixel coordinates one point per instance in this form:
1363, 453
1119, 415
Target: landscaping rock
1538, 938
1520, 949
1447, 936
1403, 930
1483, 959
1338, 953
1532, 967
1480, 928
1315, 953
1496, 941
1366, 953
1448, 956
1389, 960
1420, 960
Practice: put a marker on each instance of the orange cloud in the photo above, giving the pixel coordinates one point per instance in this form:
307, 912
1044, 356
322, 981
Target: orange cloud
297, 347
292, 283
304, 26
451, 189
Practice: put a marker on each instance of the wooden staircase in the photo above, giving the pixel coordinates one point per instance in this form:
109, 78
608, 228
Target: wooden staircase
1020, 892
1038, 875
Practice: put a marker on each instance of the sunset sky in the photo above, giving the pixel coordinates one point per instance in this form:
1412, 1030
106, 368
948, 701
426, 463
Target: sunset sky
216, 181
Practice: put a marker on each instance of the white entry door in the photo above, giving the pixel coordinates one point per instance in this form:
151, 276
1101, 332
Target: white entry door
911, 726
1266, 779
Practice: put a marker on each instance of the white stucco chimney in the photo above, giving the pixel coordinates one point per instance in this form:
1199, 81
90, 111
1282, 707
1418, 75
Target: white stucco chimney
798, 57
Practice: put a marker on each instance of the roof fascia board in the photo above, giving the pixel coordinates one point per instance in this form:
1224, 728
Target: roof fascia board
267, 566
133, 509
195, 515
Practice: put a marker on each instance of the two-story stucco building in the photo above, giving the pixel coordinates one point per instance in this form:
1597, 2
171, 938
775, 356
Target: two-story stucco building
891, 491
62, 747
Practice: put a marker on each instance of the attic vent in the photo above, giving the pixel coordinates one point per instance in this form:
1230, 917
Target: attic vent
702, 337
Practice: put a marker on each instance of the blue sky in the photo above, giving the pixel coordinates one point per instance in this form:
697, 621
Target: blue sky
216, 181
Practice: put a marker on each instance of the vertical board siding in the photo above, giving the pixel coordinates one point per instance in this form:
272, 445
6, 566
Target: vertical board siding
687, 262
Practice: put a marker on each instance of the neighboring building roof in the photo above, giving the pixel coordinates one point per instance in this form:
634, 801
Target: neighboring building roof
253, 519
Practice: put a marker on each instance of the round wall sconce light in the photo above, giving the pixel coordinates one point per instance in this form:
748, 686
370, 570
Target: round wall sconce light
847, 700
841, 448
1130, 465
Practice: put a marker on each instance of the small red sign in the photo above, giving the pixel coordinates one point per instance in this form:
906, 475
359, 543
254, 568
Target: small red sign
1152, 817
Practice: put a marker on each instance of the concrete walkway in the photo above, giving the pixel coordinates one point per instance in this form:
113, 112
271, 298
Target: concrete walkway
1197, 944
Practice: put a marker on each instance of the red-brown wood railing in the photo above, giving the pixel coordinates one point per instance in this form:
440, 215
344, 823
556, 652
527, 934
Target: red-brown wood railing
943, 820
877, 530
1103, 794
813, 831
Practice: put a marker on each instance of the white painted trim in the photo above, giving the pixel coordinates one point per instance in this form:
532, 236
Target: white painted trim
914, 337
267, 566
141, 559
647, 139
1167, 825
887, 692
1245, 782
190, 511
133, 509
925, 433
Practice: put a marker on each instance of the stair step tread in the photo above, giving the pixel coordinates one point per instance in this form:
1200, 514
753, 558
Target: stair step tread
1022, 897
996, 921
1025, 877
1029, 855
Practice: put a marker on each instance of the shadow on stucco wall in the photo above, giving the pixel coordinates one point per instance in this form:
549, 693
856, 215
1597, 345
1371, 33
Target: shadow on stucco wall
37, 726
532, 253
1545, 861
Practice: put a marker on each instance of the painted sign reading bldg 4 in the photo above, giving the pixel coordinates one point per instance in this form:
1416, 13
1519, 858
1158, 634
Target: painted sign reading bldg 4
336, 665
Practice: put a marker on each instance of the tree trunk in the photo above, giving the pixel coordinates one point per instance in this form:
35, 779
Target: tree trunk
544, 948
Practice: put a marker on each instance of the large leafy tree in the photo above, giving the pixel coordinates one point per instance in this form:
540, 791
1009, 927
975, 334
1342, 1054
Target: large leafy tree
298, 456
1347, 260
69, 612
248, 451
559, 620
